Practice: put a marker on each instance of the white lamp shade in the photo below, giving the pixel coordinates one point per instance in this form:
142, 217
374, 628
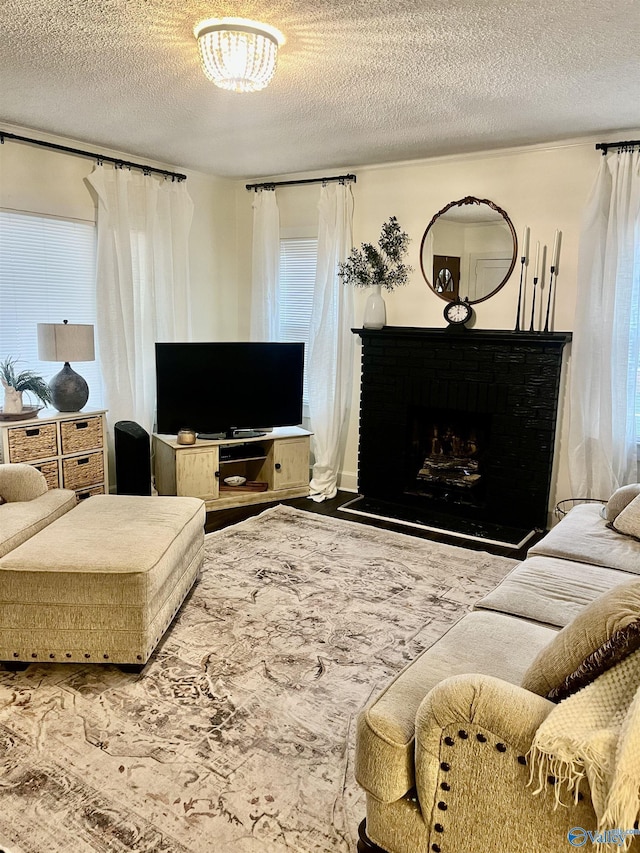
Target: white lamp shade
238, 54
65, 342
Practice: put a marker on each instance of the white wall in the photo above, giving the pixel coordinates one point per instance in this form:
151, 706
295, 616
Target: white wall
544, 187
40, 180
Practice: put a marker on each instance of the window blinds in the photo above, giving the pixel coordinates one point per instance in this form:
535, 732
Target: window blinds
47, 275
298, 260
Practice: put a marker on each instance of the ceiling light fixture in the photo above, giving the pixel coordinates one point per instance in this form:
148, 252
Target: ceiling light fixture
238, 54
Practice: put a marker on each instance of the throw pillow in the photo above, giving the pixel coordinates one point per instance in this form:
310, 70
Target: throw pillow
628, 521
619, 500
601, 635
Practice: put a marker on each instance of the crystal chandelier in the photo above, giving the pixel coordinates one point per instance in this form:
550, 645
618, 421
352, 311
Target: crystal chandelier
238, 54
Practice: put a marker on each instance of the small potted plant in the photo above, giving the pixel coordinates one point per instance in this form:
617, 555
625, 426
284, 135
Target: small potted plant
15, 384
377, 267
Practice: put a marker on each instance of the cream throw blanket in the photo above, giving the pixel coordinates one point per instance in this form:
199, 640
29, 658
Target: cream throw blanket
596, 733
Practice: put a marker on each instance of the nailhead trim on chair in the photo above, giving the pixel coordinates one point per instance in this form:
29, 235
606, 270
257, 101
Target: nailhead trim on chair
445, 767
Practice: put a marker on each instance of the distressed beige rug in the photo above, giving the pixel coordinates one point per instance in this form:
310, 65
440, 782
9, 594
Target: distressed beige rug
238, 736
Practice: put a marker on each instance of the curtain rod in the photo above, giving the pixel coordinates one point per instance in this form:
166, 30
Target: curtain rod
603, 146
271, 185
99, 158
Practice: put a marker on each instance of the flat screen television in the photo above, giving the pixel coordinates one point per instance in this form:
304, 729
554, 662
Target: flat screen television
228, 389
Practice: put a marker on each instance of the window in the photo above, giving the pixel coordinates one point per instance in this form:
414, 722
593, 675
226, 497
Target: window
47, 275
298, 259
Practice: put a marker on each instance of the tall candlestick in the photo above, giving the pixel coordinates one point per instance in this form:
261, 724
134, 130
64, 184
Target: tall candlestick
525, 243
537, 267
556, 246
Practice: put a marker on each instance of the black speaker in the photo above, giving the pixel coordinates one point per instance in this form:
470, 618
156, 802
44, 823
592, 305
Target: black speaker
133, 459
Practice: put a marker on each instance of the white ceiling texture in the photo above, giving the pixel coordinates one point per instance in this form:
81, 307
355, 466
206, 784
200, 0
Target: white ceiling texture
358, 81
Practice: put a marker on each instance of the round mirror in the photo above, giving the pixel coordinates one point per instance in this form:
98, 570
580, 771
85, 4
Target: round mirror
468, 250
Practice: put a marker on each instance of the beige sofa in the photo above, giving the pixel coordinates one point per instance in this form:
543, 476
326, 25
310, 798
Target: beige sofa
27, 505
99, 583
442, 751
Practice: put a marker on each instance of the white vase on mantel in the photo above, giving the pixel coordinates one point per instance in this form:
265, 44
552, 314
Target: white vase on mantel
375, 311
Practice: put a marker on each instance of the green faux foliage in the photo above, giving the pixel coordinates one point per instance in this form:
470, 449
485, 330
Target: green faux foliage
370, 265
27, 380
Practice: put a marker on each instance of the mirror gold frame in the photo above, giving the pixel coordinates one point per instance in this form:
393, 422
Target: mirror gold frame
493, 263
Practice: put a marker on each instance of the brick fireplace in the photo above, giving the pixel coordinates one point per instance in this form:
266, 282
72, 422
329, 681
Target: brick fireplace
457, 429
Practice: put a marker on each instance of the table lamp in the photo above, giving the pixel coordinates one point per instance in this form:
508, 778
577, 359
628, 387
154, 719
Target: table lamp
66, 342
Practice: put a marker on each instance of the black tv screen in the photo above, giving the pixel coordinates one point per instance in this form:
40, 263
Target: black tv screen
217, 388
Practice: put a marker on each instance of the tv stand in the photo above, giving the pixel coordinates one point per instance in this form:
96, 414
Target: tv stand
275, 466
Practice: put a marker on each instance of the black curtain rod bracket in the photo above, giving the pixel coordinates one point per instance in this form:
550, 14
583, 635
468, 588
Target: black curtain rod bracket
629, 145
99, 158
271, 185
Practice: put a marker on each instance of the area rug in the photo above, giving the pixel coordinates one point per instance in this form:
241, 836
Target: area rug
238, 736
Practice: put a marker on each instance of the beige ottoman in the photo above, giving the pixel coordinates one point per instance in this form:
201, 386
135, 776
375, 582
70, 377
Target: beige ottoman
102, 583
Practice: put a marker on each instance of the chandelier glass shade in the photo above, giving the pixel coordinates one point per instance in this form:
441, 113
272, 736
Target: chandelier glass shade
238, 54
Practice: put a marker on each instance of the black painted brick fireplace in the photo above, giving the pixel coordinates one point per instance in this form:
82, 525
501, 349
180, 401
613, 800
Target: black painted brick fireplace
485, 401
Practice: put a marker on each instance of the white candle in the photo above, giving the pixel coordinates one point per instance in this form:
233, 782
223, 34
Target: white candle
525, 243
556, 246
537, 267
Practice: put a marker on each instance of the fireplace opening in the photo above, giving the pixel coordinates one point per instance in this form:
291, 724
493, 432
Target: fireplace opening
447, 460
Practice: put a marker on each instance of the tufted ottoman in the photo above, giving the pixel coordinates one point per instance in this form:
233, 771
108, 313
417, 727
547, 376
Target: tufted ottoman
103, 582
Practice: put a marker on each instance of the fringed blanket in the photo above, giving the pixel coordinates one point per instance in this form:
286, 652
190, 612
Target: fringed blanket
596, 733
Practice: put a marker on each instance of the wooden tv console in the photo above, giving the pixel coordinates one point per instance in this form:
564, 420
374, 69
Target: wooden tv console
276, 466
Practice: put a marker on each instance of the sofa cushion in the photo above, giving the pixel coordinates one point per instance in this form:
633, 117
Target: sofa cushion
484, 642
605, 632
550, 590
619, 500
583, 536
628, 521
20, 520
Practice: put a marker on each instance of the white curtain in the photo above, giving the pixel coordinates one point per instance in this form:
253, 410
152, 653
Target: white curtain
603, 449
331, 340
142, 283
265, 266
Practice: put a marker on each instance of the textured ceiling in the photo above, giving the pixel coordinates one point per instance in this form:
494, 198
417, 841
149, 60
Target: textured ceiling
358, 81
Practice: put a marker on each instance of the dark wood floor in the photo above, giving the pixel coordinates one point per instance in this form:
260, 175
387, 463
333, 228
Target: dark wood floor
225, 517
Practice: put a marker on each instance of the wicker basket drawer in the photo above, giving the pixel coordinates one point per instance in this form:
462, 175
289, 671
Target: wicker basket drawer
50, 471
32, 442
83, 434
81, 471
83, 494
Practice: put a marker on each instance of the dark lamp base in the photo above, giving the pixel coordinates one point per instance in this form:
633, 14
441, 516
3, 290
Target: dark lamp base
69, 391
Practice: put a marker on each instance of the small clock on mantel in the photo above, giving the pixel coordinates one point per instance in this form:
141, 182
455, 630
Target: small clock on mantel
457, 313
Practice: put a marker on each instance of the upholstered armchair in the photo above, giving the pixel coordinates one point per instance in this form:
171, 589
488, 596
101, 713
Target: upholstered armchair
442, 751
471, 791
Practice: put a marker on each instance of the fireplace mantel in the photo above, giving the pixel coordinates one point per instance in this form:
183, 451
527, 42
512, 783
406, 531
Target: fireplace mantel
504, 384
494, 336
